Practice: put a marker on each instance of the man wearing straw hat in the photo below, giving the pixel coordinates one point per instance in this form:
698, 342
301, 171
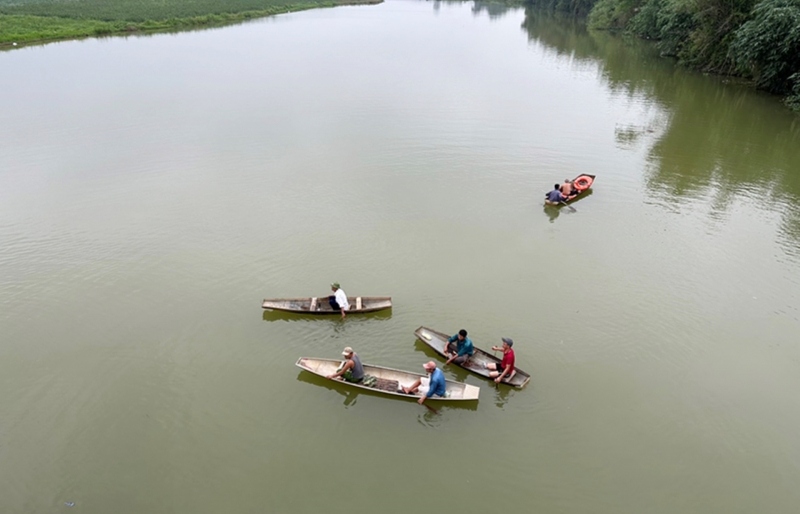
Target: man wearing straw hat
338, 299
428, 386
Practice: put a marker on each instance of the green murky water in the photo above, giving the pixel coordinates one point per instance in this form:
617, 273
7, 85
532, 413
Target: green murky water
153, 190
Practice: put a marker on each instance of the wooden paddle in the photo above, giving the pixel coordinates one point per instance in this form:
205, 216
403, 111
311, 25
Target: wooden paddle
571, 208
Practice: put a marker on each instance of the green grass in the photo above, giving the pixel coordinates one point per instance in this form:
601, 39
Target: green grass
25, 21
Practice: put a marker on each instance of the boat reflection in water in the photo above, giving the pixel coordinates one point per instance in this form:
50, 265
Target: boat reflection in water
294, 316
553, 211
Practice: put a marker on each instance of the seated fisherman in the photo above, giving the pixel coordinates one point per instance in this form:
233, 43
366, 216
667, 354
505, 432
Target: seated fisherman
428, 386
338, 300
568, 188
555, 196
459, 348
504, 370
351, 369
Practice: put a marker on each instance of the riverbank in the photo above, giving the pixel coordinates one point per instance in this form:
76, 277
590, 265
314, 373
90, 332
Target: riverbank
757, 40
28, 21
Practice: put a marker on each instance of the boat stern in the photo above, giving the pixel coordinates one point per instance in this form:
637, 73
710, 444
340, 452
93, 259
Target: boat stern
471, 392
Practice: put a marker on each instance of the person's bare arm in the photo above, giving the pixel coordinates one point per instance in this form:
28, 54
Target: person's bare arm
501, 376
347, 365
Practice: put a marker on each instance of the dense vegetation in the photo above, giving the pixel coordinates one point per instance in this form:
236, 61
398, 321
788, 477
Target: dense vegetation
41, 20
756, 39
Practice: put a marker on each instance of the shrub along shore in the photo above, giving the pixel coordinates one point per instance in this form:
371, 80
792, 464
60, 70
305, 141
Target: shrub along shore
755, 39
38, 21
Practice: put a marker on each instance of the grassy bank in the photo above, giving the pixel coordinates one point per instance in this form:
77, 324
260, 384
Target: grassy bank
28, 21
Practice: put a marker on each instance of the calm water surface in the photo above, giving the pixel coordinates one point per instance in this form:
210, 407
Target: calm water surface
154, 189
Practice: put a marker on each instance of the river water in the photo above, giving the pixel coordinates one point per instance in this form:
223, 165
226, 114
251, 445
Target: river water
153, 190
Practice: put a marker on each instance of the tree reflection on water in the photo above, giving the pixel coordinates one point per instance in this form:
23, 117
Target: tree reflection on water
714, 140
494, 10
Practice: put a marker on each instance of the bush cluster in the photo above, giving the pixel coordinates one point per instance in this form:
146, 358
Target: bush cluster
756, 39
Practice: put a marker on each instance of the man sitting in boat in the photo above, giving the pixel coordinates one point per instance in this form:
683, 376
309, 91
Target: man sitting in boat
459, 348
568, 189
338, 300
428, 386
506, 367
555, 196
351, 369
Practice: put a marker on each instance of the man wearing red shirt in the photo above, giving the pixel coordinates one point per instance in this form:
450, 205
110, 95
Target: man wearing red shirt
506, 368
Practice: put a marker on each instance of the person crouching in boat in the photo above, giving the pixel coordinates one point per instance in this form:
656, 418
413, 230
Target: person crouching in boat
568, 189
338, 300
506, 367
351, 369
459, 348
555, 196
428, 386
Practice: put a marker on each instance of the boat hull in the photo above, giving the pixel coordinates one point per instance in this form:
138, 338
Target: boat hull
438, 342
390, 379
589, 180
320, 305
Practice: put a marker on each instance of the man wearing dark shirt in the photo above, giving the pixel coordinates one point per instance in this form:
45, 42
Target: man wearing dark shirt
555, 197
459, 348
351, 369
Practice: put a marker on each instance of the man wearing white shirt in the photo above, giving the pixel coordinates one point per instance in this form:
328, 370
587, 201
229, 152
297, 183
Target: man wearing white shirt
339, 299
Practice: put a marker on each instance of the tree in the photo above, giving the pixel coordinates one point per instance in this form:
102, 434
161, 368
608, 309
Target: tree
768, 47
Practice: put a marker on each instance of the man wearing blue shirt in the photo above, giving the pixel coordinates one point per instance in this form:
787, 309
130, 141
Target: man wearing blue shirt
428, 386
555, 197
459, 348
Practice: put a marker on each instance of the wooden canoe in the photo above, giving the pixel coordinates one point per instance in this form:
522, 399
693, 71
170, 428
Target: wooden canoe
583, 182
320, 305
438, 341
389, 380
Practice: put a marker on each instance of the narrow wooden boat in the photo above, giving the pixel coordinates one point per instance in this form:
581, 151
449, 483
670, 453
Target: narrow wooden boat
582, 183
320, 305
476, 364
388, 380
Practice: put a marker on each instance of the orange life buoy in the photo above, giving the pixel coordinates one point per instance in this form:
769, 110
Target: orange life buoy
583, 182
